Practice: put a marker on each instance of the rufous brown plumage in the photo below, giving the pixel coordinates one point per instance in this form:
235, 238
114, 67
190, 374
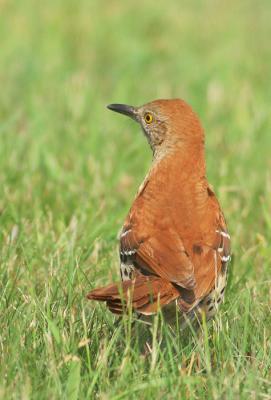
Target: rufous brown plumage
174, 244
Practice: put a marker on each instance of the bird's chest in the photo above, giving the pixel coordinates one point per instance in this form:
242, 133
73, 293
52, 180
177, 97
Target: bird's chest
126, 271
212, 301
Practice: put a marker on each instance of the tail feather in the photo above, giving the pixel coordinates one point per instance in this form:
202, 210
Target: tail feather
146, 294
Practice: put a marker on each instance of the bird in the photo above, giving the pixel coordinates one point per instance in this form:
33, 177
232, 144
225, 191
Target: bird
174, 246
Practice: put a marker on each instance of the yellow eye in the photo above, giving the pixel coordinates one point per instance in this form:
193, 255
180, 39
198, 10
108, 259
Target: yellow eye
148, 118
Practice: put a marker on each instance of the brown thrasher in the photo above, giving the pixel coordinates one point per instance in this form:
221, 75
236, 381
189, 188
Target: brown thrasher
174, 245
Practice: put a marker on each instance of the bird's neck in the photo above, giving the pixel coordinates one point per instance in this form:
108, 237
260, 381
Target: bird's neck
185, 160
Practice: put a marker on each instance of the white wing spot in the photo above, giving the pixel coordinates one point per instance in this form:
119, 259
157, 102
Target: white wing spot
225, 258
125, 233
128, 252
224, 234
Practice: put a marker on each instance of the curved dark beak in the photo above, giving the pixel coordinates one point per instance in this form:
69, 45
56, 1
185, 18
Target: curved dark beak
124, 109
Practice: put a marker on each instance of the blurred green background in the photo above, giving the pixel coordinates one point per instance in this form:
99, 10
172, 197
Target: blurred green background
69, 170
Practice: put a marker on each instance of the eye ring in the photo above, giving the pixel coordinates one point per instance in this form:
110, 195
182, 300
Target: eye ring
148, 118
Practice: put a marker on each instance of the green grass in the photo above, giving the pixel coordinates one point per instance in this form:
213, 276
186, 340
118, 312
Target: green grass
70, 170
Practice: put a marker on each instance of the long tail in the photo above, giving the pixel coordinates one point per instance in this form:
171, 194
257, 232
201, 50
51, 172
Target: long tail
146, 294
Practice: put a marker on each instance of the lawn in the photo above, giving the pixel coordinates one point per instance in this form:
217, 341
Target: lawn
70, 170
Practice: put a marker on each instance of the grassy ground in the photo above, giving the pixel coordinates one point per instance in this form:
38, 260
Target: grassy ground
70, 169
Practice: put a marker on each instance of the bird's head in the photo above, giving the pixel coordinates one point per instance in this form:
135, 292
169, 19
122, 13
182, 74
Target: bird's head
167, 124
